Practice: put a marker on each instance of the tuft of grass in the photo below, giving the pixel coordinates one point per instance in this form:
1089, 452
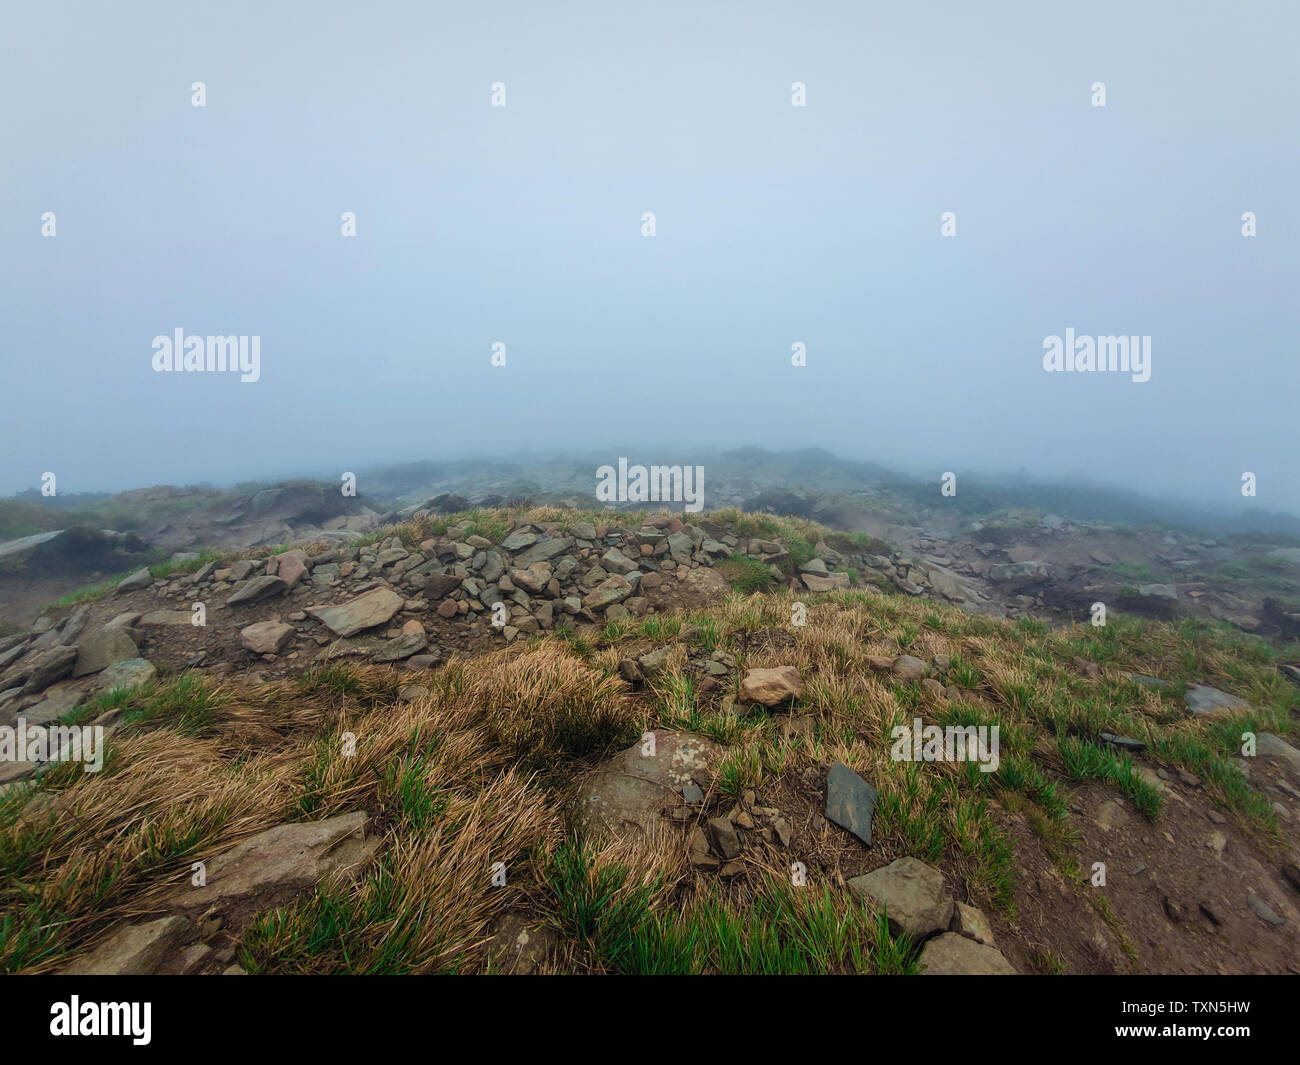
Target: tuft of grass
746, 575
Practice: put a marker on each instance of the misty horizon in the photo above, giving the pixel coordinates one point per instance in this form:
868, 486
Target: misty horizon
801, 171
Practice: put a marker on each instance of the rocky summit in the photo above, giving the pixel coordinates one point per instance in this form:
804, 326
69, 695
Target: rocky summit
643, 741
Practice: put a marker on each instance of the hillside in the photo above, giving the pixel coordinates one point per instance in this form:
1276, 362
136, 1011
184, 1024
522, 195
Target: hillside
674, 753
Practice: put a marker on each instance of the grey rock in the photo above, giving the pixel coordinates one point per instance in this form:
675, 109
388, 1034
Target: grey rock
1204, 701
101, 649
366, 611
257, 589
850, 801
141, 578
952, 954
130, 673
46, 668
135, 950
913, 895
276, 865
266, 637
631, 787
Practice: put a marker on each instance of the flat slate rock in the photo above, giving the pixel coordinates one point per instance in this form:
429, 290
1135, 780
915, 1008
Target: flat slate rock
257, 589
366, 611
1210, 702
1124, 743
850, 801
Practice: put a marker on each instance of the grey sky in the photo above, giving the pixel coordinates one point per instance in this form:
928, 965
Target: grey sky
776, 224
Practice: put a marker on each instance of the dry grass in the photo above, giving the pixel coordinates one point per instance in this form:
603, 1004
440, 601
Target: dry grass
476, 773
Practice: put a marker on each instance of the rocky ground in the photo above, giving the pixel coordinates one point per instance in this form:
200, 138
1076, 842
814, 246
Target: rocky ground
760, 807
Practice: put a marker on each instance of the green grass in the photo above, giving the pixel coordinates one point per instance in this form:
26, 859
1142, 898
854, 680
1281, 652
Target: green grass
1087, 761
783, 930
186, 704
746, 575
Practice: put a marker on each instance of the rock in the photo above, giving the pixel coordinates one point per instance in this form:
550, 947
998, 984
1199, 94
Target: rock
1204, 701
771, 687
835, 582
913, 896
1123, 743
276, 865
954, 955
815, 566
1148, 682
438, 585
266, 637
53, 706
374, 607
127, 674
141, 578
1264, 911
519, 540
611, 590
256, 589
614, 561
519, 946
1157, 591
850, 801
1273, 746
631, 787
73, 627
971, 923
135, 950
47, 667
681, 546
544, 550
410, 642
726, 841
1019, 573
291, 567
101, 649
908, 667
652, 662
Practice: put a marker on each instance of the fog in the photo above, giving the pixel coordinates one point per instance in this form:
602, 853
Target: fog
775, 225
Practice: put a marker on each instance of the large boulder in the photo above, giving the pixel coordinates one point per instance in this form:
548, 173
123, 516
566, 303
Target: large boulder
101, 648
913, 896
632, 787
276, 865
366, 611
